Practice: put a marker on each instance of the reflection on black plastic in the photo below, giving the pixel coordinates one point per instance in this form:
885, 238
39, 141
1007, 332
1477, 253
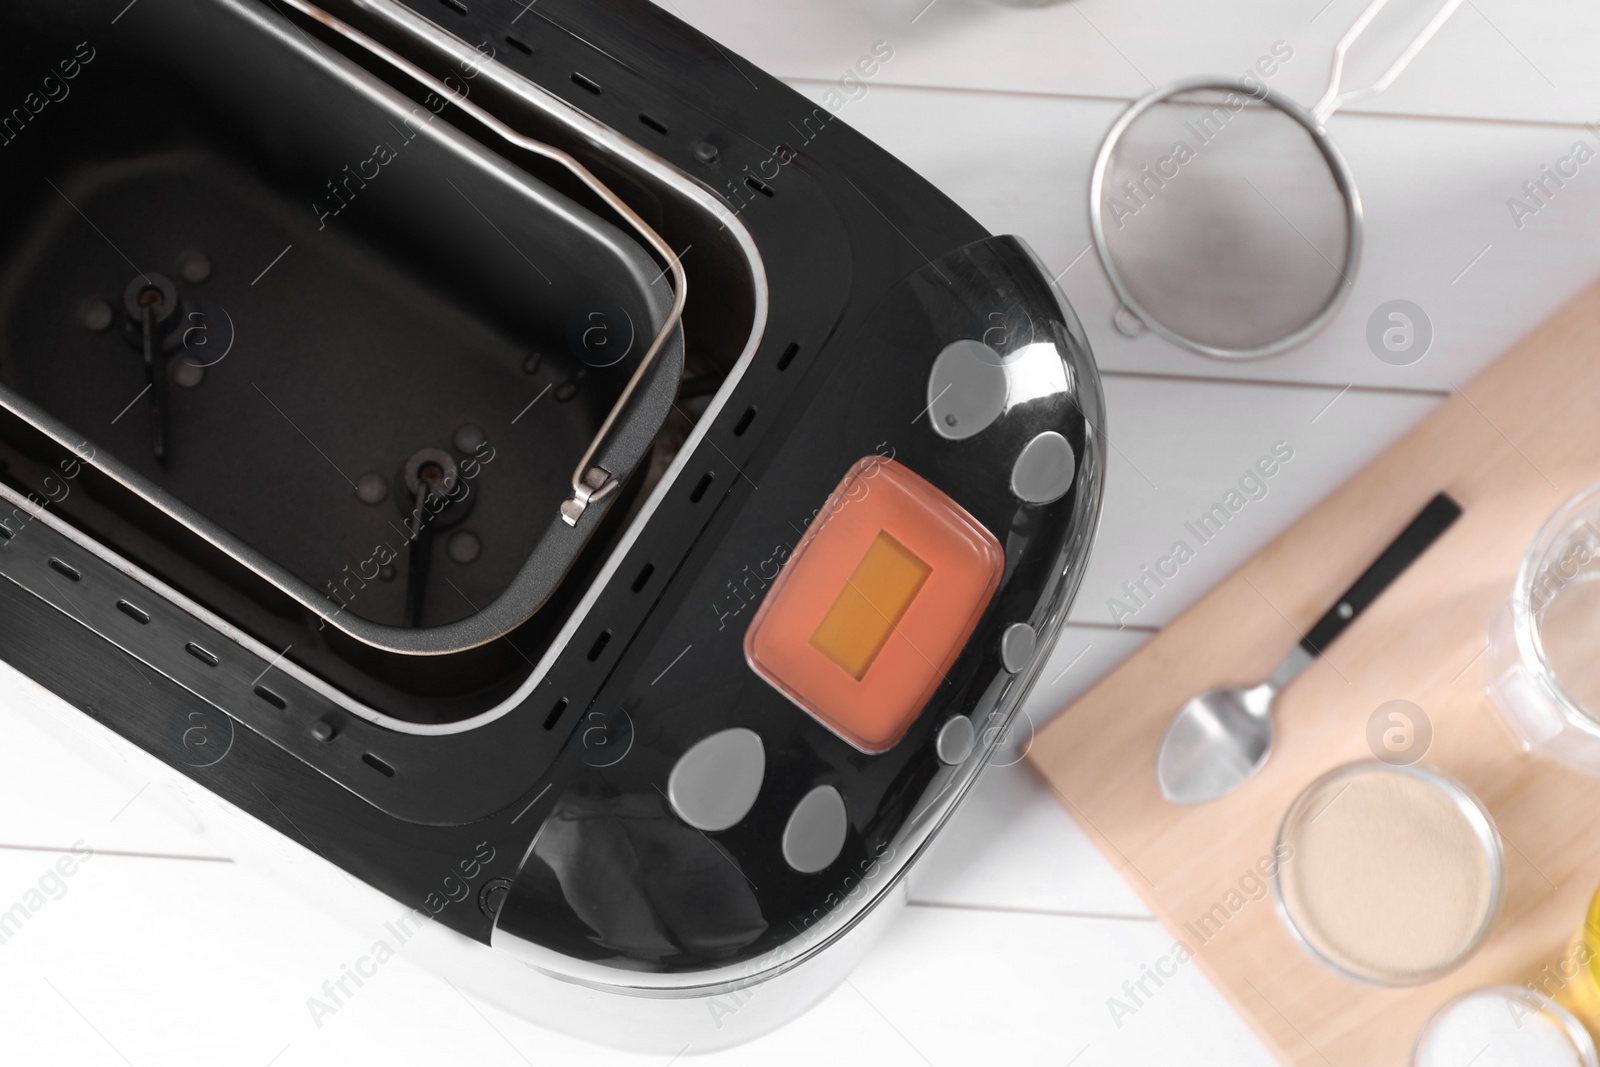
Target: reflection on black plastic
647, 887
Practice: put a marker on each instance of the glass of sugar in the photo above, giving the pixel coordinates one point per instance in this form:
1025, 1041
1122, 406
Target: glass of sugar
1503, 1026
1389, 875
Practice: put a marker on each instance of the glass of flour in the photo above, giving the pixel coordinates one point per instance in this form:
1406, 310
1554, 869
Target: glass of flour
1389, 875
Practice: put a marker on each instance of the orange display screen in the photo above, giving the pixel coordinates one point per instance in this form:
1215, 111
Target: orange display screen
875, 603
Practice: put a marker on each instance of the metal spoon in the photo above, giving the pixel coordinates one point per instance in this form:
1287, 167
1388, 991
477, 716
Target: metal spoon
1223, 736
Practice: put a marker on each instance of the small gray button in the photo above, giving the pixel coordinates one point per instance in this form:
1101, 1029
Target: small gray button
966, 390
464, 546
1044, 469
469, 437
372, 488
1016, 646
816, 830
955, 740
94, 314
715, 782
194, 266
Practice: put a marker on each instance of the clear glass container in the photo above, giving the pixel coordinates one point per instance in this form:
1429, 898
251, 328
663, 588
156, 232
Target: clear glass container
1351, 892
1503, 1026
1541, 669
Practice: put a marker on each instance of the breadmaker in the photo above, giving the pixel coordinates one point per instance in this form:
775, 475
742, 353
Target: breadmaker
535, 462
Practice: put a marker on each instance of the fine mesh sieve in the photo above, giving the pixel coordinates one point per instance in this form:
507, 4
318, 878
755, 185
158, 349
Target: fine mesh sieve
1225, 216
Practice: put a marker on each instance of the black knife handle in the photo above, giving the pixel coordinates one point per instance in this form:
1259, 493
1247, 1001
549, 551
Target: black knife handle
1414, 540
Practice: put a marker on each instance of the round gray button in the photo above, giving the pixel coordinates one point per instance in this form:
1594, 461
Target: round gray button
715, 782
966, 390
816, 830
1044, 469
1016, 646
955, 740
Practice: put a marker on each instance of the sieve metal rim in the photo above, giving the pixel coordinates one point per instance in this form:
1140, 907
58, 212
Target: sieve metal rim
1342, 176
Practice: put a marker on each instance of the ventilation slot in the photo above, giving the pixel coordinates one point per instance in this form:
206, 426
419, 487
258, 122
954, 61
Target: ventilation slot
599, 645
66, 570
701, 487
554, 717
377, 764
744, 422
138, 615
655, 125
204, 656
271, 698
759, 186
644, 576
788, 356
519, 45
585, 83
455, 5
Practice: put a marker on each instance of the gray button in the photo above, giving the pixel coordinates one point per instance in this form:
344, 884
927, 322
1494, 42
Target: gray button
715, 782
1044, 469
955, 740
816, 830
966, 390
1016, 646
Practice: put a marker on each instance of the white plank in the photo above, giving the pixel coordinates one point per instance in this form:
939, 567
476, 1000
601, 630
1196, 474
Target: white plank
61, 787
976, 987
1435, 196
1013, 846
168, 963
1181, 447
1494, 59
108, 974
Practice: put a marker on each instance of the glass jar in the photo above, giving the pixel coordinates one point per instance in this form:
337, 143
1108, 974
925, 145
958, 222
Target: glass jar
1542, 670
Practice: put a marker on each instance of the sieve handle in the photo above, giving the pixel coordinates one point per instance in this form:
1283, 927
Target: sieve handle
1333, 99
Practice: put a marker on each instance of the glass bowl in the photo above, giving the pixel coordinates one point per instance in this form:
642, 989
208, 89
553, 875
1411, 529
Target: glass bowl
1452, 1037
1406, 915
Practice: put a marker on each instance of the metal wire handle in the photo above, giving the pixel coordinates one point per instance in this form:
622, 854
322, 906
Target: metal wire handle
590, 482
1332, 99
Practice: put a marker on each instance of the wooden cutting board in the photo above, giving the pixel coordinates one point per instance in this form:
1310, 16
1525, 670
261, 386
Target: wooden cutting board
1511, 446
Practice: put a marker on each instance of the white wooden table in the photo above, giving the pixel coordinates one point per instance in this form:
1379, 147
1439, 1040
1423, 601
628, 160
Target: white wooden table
168, 954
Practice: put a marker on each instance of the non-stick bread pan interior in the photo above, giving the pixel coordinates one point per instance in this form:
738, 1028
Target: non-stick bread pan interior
288, 316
